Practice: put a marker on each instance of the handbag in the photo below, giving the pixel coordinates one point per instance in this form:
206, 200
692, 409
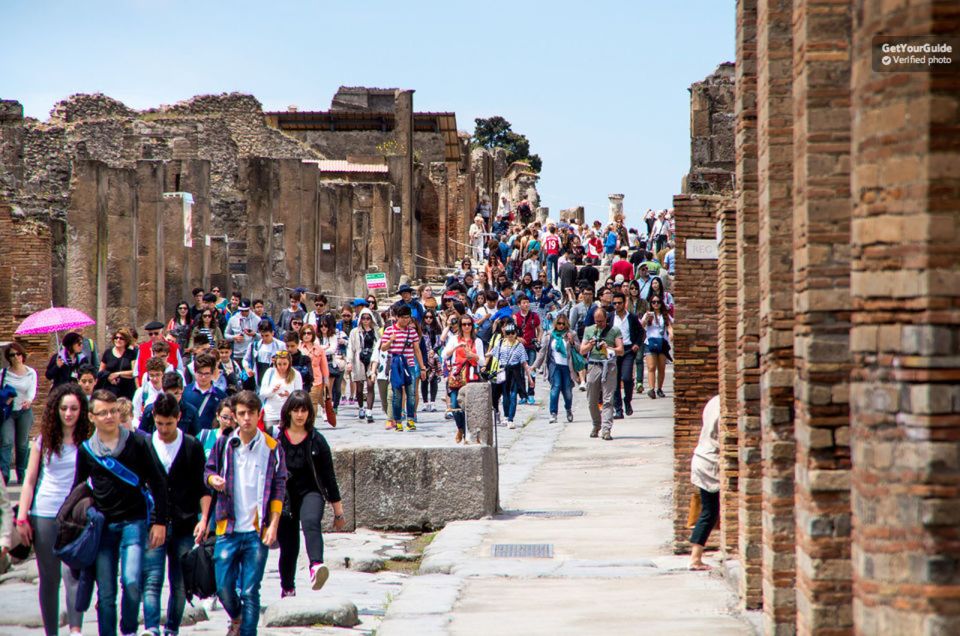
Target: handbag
8, 395
579, 362
656, 345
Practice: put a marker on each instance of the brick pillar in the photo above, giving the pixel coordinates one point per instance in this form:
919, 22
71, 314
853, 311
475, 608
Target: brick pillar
748, 306
727, 374
775, 181
404, 136
694, 344
821, 227
905, 341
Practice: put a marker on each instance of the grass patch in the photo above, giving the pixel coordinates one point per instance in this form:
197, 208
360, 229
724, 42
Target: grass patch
409, 563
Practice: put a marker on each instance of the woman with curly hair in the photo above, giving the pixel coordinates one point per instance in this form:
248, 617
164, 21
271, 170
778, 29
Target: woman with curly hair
430, 347
65, 425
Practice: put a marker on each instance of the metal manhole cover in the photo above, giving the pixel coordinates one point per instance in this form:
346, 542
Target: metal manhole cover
549, 514
523, 550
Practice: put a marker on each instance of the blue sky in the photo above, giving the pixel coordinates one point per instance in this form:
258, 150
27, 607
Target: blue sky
600, 88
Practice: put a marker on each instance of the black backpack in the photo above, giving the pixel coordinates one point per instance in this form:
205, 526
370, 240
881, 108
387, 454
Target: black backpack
199, 578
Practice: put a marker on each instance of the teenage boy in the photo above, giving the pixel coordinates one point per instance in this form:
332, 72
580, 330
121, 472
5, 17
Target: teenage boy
87, 379
247, 469
289, 314
260, 353
172, 383
201, 394
150, 389
402, 339
182, 459
125, 509
529, 332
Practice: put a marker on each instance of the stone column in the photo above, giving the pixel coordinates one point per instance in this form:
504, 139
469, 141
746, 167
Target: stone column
748, 308
403, 111
775, 181
905, 285
616, 206
821, 229
727, 374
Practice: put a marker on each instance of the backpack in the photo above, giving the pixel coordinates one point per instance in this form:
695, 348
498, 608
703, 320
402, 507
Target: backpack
199, 577
6, 393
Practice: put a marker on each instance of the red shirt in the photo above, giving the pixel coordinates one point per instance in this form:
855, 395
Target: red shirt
552, 244
624, 267
145, 353
527, 327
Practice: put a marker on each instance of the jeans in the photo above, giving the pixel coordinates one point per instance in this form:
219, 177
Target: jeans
428, 388
307, 515
623, 396
709, 513
52, 571
409, 390
560, 382
552, 260
240, 557
336, 379
15, 432
521, 388
171, 551
509, 390
121, 544
458, 417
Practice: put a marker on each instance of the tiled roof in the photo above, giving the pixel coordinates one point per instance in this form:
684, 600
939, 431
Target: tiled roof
339, 165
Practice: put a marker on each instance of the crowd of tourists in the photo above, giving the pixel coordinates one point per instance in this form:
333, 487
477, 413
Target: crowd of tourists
203, 429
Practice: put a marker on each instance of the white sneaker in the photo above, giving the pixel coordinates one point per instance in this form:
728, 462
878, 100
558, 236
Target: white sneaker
319, 573
582, 387
510, 424
553, 419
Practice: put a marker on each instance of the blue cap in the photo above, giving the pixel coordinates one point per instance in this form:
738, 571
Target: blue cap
359, 302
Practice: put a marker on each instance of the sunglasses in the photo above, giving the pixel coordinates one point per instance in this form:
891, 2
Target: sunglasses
365, 318
466, 323
654, 302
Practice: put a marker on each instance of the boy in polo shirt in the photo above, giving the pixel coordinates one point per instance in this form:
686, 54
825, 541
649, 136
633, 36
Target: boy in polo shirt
201, 394
248, 470
401, 338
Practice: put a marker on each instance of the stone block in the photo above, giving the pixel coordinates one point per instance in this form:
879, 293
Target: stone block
307, 611
423, 488
343, 467
477, 403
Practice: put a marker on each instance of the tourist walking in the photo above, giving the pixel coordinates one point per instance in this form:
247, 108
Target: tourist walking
632, 335
310, 347
47, 482
363, 344
206, 324
201, 394
512, 369
401, 340
334, 344
125, 509
311, 483
601, 345
431, 347
659, 335
241, 330
705, 475
529, 331
557, 360
182, 459
15, 428
248, 471
116, 366
464, 350
279, 382
259, 356
178, 328
65, 364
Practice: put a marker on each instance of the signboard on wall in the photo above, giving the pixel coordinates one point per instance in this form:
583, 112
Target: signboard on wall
377, 280
702, 249
186, 200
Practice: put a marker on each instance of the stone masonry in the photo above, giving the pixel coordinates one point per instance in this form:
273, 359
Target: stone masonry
847, 306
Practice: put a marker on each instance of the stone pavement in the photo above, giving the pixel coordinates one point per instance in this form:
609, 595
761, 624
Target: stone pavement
612, 571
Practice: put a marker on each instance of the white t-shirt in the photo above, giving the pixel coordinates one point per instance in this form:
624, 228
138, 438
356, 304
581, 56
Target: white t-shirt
56, 480
272, 400
167, 452
559, 358
623, 324
656, 328
249, 472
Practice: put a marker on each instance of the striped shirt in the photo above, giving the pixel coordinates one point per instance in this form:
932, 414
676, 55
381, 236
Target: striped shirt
405, 342
509, 355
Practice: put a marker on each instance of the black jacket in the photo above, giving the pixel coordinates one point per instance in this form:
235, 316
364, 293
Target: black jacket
189, 421
117, 500
185, 484
636, 330
67, 372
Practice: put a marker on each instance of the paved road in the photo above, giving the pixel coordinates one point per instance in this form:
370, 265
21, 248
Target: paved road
612, 571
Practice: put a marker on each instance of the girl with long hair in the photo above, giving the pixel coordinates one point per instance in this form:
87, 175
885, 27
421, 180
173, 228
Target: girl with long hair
207, 324
430, 347
465, 352
179, 326
659, 334
310, 347
280, 380
311, 482
53, 459
362, 362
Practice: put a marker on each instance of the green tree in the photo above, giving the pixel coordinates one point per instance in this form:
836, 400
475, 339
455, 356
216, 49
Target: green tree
496, 132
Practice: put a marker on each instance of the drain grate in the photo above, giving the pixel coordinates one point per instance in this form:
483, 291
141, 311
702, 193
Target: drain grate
523, 550
551, 514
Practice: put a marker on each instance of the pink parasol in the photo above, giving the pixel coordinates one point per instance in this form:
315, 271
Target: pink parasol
53, 320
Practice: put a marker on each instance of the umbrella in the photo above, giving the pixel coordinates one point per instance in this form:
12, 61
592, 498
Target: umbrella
53, 320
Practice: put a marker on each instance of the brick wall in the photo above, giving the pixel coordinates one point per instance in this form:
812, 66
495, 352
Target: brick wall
25, 289
821, 238
775, 181
905, 284
727, 375
748, 308
694, 348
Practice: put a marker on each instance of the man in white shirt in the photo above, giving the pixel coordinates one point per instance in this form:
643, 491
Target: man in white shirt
631, 333
241, 329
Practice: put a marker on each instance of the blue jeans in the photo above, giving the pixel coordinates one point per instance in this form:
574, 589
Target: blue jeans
552, 260
174, 548
122, 543
560, 382
408, 390
458, 417
15, 433
240, 557
514, 378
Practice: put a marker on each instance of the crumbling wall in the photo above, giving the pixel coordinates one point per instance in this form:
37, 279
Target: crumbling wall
712, 123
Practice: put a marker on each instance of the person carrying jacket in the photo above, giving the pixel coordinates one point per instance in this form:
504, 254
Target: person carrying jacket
249, 473
632, 334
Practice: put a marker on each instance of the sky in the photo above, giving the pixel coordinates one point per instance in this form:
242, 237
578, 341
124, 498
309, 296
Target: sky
599, 88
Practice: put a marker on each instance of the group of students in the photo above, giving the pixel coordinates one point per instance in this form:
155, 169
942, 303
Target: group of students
249, 485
